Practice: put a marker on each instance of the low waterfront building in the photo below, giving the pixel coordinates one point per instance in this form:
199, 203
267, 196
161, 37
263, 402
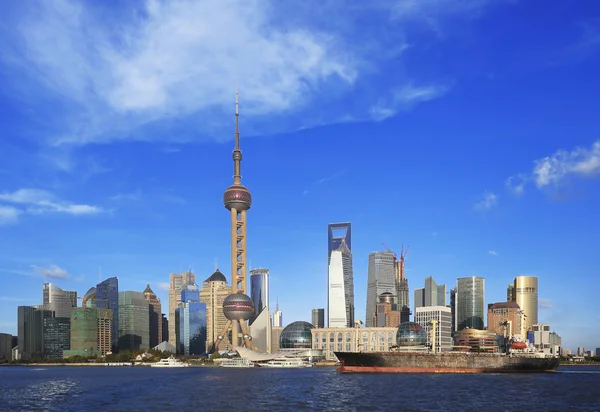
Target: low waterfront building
475, 340
352, 340
275, 336
541, 337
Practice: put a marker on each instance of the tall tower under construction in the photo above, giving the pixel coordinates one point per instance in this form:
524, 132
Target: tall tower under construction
237, 307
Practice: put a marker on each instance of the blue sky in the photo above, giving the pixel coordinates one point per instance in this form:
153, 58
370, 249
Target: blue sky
465, 128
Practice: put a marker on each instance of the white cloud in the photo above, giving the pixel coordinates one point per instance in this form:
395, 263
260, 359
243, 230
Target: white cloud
545, 303
554, 169
405, 98
164, 286
52, 271
38, 201
489, 200
147, 66
492, 253
9, 215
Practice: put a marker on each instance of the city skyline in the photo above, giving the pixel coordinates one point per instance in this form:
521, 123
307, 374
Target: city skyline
483, 140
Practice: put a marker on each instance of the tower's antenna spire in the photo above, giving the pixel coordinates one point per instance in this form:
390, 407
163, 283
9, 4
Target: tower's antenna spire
277, 303
237, 115
216, 264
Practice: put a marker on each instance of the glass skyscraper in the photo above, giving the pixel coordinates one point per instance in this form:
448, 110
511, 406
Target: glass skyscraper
59, 301
30, 325
381, 278
134, 324
190, 319
57, 337
470, 311
340, 281
107, 297
259, 283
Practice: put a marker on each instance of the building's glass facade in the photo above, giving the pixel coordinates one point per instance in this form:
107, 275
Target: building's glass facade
411, 334
296, 335
57, 337
443, 330
59, 301
381, 278
470, 309
259, 284
191, 322
107, 297
340, 296
30, 325
134, 325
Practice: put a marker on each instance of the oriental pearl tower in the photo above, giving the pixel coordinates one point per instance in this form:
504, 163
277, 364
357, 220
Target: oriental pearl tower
237, 307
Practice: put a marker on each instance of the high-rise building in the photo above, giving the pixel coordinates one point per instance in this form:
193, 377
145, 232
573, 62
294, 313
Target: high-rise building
30, 325
401, 283
386, 312
526, 295
213, 293
191, 320
470, 294
260, 321
155, 320
504, 318
443, 315
510, 292
381, 278
107, 297
453, 308
5, 347
57, 337
176, 281
59, 301
340, 288
259, 281
165, 328
134, 326
431, 295
277, 316
318, 318
91, 332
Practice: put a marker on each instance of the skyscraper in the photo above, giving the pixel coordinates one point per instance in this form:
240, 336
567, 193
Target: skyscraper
176, 281
381, 278
59, 301
318, 318
470, 309
277, 316
260, 322
259, 280
431, 295
107, 297
155, 317
340, 288
213, 293
443, 315
191, 318
526, 296
134, 327
57, 337
30, 324
237, 199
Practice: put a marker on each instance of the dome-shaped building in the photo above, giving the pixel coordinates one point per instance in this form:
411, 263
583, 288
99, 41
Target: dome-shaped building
411, 334
296, 335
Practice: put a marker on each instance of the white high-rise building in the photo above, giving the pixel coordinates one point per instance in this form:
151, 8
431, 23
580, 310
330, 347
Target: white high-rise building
340, 277
277, 316
425, 314
381, 279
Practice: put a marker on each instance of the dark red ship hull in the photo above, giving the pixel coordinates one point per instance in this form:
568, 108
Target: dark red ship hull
446, 362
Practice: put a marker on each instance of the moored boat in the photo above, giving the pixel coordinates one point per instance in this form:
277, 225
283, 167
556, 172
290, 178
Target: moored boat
170, 362
286, 363
236, 363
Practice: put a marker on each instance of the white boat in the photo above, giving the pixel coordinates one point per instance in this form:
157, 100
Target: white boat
286, 363
236, 363
170, 362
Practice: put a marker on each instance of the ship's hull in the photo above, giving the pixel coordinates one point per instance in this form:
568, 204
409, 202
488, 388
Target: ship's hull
447, 362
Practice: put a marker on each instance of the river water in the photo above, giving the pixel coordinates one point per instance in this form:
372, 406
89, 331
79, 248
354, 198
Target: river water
259, 389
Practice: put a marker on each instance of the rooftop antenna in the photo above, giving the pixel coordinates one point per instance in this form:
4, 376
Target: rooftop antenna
277, 303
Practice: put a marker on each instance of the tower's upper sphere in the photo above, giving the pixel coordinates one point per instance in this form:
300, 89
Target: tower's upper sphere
238, 197
238, 306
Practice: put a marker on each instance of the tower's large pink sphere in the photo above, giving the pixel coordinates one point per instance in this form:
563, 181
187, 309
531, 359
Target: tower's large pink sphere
238, 197
238, 306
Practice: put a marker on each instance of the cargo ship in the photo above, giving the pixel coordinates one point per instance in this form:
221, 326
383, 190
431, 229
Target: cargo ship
445, 362
412, 355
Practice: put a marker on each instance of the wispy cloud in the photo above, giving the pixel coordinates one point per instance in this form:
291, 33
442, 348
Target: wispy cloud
163, 286
545, 303
325, 180
405, 98
9, 215
489, 201
51, 271
133, 196
35, 201
553, 170
147, 66
492, 253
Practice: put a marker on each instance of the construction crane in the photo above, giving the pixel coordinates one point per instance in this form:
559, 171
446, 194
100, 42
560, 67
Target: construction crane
398, 263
